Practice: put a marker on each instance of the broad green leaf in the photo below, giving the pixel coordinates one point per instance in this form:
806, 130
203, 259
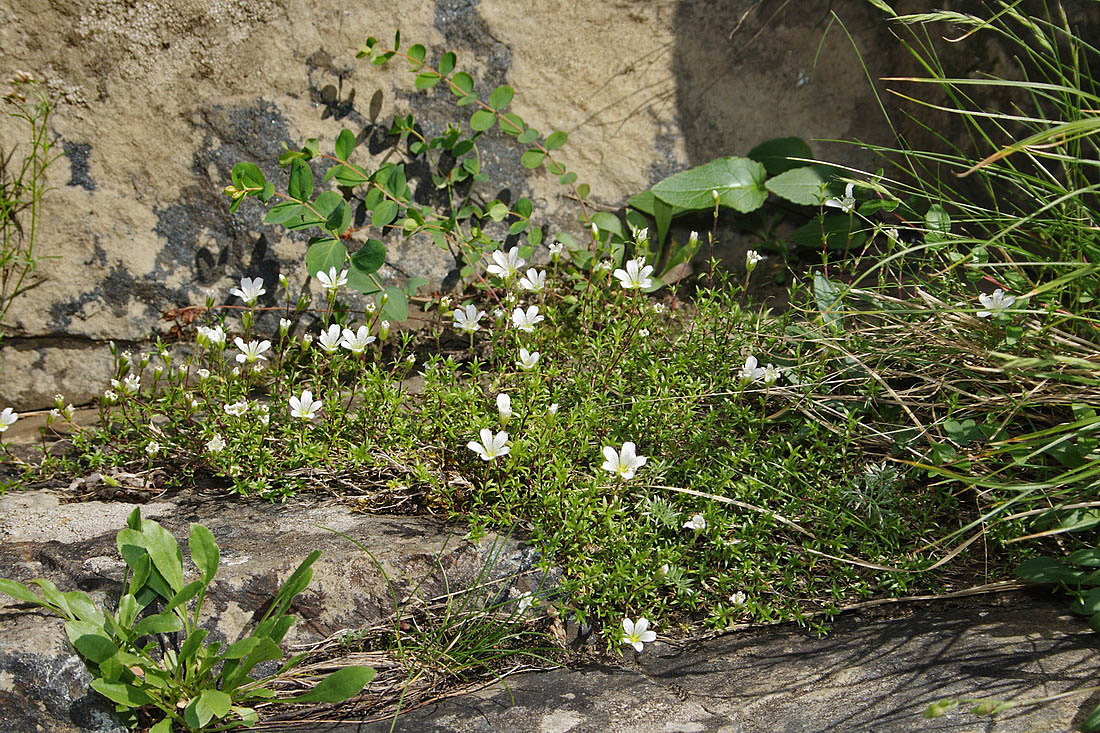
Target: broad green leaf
414, 284
498, 211
501, 97
90, 640
301, 180
555, 140
164, 726
464, 82
1048, 570
528, 136
248, 175
805, 186
447, 63
532, 158
197, 714
165, 553
384, 213
324, 254
568, 178
482, 120
193, 643
345, 144
417, 54
427, 80
370, 257
1091, 723
282, 212
467, 100
524, 207
396, 307
204, 551
608, 222
341, 685
81, 606
121, 693
1088, 605
161, 623
327, 204
512, 124
217, 701
739, 183
937, 222
775, 154
1089, 558
827, 296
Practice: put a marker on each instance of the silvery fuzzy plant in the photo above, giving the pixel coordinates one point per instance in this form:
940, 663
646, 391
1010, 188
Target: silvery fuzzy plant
151, 658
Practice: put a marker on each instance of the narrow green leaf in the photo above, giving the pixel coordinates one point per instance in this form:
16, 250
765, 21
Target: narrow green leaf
341, 685
161, 623
165, 553
501, 97
204, 551
1091, 723
512, 124
19, 592
121, 693
189, 591
482, 120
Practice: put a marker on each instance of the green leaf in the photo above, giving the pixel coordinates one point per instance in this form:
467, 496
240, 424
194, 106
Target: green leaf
532, 158
217, 701
1048, 570
301, 180
836, 230
19, 592
528, 136
189, 591
555, 140
827, 296
467, 100
126, 695
1089, 558
248, 175
1091, 723
384, 213
775, 154
165, 553
937, 222
345, 143
463, 82
327, 204
739, 183
804, 186
427, 80
370, 257
501, 97
164, 726
482, 120
90, 640
498, 211
196, 715
567, 178
342, 684
885, 7
447, 63
512, 124
161, 623
608, 222
417, 54
396, 307
282, 212
1088, 605
414, 284
204, 551
324, 254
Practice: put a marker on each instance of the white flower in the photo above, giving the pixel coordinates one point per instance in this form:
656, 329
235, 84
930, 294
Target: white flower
265, 414
491, 446
534, 280
236, 409
307, 339
625, 462
333, 280
251, 351
693, 240
370, 307
643, 332
383, 329
211, 336
603, 266
506, 265
659, 308
284, 325
215, 444
641, 235
555, 250
204, 374
994, 303
663, 570
637, 634
526, 320
195, 404
636, 275
152, 448
751, 372
846, 203
330, 338
357, 341
892, 234
7, 418
499, 314
283, 282
466, 319
250, 289
304, 407
553, 409
738, 598
697, 522
527, 360
444, 302
504, 407
108, 394
524, 602
752, 259
770, 375
131, 384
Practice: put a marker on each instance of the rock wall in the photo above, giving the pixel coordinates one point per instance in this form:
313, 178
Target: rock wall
166, 95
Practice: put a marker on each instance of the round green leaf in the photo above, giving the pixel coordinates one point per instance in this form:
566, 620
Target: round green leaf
417, 54
556, 140
739, 183
396, 307
532, 158
463, 82
427, 80
447, 63
501, 97
776, 154
512, 123
248, 175
327, 205
482, 120
324, 254
370, 257
529, 135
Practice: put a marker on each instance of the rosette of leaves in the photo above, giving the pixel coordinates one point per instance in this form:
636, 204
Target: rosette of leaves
151, 658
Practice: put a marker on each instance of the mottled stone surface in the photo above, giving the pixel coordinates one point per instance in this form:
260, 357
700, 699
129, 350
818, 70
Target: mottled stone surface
869, 676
